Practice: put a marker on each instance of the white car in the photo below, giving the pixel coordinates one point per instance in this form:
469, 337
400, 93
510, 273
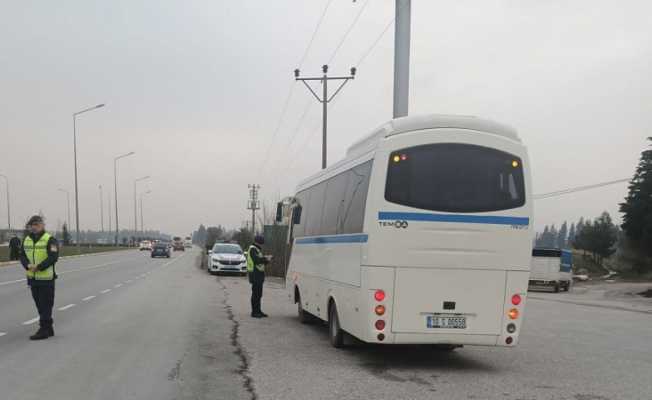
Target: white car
227, 257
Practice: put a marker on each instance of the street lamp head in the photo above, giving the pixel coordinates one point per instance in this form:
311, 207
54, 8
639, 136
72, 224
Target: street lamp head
99, 105
296, 73
353, 71
324, 68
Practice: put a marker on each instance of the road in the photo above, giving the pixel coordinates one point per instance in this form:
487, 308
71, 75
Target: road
171, 331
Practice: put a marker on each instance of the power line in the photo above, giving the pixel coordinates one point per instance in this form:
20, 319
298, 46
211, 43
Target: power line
291, 91
577, 189
314, 33
348, 31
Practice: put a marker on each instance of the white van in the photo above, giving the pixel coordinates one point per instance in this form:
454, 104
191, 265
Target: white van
421, 234
551, 268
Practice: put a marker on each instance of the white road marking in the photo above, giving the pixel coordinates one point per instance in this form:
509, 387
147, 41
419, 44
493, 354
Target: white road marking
9, 282
2, 334
118, 285
66, 307
105, 291
88, 298
129, 281
31, 321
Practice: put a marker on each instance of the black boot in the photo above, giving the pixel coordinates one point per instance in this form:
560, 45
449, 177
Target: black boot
41, 334
50, 330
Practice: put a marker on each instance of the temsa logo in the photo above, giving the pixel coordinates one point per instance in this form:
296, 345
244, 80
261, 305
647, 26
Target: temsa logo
400, 224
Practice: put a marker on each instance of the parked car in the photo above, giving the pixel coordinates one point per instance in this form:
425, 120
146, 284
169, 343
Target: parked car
161, 250
227, 257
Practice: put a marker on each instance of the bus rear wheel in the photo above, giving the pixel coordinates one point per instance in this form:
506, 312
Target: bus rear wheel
335, 332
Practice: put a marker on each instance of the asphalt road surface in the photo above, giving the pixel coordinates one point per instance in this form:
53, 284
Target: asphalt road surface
130, 327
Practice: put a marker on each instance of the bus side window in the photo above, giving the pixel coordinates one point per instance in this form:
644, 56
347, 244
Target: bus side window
296, 215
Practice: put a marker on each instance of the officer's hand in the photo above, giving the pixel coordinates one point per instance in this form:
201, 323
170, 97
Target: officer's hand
32, 267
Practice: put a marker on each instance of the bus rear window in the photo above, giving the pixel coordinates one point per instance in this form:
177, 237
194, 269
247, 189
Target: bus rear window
453, 177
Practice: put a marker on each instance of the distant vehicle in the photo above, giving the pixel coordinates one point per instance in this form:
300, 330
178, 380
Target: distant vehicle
421, 234
146, 245
227, 257
177, 244
551, 268
188, 242
160, 250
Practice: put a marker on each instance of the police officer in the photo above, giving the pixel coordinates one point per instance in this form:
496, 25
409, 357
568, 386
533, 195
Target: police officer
256, 270
39, 254
14, 248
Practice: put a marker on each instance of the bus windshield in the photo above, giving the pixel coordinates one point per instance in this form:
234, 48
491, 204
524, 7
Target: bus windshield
454, 177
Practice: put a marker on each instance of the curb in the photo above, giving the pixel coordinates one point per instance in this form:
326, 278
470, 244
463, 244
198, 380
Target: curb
8, 263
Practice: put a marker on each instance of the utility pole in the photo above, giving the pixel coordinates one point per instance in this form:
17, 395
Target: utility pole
253, 205
108, 196
325, 99
8, 208
402, 57
101, 209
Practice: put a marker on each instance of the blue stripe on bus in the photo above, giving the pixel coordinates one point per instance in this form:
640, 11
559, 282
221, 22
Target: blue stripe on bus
470, 219
362, 238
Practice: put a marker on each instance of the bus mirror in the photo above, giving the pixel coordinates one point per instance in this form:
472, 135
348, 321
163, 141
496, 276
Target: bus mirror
296, 215
279, 212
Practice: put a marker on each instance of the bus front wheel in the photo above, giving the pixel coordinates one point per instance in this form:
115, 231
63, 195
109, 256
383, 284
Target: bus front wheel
335, 332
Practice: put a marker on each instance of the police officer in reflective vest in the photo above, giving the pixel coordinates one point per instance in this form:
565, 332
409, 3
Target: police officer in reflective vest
256, 270
39, 254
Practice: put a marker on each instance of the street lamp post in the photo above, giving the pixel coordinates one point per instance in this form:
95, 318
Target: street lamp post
135, 202
68, 200
74, 139
8, 207
115, 188
101, 210
142, 227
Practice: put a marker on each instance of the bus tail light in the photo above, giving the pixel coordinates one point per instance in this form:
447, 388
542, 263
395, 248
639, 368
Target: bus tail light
380, 325
380, 309
511, 328
516, 299
381, 337
379, 295
513, 313
509, 340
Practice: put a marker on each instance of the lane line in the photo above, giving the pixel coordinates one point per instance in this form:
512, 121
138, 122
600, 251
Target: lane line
9, 282
72, 270
88, 298
31, 321
2, 334
66, 307
105, 291
118, 285
129, 281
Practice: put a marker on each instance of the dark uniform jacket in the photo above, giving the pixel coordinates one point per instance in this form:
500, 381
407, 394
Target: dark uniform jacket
53, 256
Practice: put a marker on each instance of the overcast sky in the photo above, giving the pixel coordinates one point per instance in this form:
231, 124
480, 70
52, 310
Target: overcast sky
196, 88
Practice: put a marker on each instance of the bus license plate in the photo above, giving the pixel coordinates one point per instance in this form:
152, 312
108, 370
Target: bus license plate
448, 322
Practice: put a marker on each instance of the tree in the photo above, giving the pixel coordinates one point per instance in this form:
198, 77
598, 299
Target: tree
561, 236
571, 235
637, 208
598, 237
244, 237
65, 234
577, 237
213, 234
199, 236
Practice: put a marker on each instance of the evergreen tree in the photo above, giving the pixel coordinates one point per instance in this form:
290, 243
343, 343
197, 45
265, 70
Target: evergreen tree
571, 235
578, 233
599, 238
637, 208
199, 236
561, 236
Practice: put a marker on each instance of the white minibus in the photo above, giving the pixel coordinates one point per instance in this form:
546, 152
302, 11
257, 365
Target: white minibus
421, 234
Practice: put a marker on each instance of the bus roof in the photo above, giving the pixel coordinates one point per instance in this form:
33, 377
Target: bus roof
430, 121
409, 124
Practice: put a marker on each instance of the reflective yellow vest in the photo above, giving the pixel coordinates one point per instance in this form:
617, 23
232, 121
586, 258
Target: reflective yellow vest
250, 261
37, 253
